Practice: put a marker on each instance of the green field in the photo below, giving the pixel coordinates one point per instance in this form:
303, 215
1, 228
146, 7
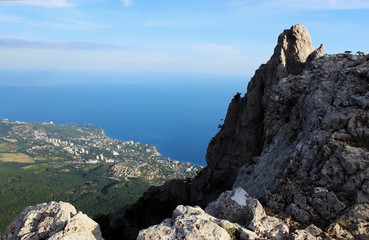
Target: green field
25, 184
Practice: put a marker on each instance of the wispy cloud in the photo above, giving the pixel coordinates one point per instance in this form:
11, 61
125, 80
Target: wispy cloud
72, 24
123, 59
303, 4
325, 4
10, 18
44, 3
127, 3
23, 43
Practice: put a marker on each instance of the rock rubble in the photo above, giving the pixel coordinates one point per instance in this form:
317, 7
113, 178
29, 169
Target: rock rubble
218, 222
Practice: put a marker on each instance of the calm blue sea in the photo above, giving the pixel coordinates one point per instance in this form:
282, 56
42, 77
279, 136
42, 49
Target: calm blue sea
178, 113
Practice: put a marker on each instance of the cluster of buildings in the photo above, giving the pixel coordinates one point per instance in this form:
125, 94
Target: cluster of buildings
88, 145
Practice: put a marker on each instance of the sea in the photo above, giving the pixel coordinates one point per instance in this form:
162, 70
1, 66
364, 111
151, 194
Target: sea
177, 113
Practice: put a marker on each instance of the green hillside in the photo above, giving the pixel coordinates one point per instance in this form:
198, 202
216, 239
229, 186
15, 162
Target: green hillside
22, 185
43, 162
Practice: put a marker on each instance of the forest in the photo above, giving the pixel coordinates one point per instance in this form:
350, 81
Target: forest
84, 186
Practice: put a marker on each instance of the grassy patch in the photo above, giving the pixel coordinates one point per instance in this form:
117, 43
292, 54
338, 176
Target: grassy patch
10, 140
40, 158
346, 224
51, 158
3, 149
231, 231
15, 157
8, 147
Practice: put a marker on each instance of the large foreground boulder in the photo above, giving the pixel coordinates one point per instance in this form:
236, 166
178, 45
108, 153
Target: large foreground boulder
56, 220
187, 222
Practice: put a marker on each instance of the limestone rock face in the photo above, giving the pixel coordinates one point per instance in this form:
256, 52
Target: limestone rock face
56, 220
315, 142
241, 139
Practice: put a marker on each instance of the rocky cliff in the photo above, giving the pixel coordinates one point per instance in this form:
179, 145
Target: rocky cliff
290, 162
298, 143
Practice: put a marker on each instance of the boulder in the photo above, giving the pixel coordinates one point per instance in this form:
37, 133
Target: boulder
190, 223
237, 206
56, 220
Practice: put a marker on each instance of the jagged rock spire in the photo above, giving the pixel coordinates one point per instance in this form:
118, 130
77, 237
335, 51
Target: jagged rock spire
290, 54
293, 48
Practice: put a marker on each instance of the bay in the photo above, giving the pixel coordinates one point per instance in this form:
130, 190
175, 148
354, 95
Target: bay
178, 113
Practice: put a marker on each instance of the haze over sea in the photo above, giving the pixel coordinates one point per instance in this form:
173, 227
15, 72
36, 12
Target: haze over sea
178, 113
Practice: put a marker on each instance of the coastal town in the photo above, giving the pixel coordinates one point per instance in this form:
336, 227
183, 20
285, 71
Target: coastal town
88, 144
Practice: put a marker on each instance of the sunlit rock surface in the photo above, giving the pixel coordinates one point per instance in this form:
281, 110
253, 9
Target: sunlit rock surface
56, 220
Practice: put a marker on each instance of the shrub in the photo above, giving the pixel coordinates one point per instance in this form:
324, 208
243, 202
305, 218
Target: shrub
231, 231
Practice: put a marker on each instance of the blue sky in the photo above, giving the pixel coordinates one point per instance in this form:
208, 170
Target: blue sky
231, 37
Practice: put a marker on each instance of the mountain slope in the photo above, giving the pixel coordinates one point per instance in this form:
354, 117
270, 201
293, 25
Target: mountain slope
297, 141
